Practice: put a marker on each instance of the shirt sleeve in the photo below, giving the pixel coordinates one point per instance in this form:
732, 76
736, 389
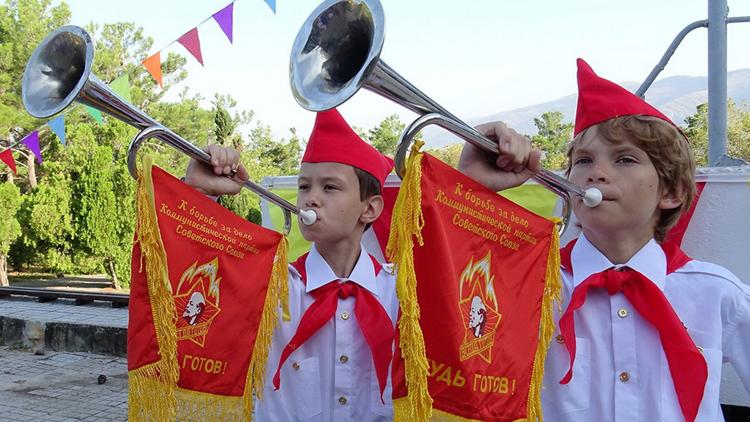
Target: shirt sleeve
737, 336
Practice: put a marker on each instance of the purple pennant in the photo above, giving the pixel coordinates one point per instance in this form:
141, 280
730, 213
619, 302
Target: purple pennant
224, 18
32, 142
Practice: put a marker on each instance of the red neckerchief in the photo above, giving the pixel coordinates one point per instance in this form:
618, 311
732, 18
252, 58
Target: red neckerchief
686, 362
373, 320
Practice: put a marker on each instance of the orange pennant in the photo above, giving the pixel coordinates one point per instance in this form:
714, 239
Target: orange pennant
153, 65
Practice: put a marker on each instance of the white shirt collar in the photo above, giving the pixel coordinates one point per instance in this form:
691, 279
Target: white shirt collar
587, 260
319, 273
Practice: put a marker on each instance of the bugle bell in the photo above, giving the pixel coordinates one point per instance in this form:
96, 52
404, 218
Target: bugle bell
337, 52
59, 73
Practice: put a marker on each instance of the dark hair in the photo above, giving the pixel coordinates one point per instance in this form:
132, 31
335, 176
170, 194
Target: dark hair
369, 186
668, 150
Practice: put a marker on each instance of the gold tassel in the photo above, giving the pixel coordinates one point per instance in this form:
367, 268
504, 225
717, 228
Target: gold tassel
199, 406
281, 270
158, 379
277, 294
552, 292
407, 224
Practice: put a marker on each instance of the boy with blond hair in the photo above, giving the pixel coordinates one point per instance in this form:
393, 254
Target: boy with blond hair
645, 328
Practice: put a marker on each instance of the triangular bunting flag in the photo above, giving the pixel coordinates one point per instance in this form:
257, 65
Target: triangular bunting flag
96, 114
58, 127
32, 142
192, 43
272, 5
121, 86
153, 65
224, 18
7, 158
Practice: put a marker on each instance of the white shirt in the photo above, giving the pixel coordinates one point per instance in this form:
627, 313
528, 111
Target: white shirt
331, 377
621, 372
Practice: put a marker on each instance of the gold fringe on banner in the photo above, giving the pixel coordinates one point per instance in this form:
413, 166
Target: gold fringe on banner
407, 224
552, 293
151, 388
153, 392
276, 297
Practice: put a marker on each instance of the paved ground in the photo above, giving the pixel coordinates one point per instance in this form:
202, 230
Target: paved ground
61, 386
64, 311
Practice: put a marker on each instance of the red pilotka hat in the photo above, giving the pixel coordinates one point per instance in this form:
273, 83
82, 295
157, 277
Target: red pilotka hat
600, 100
333, 141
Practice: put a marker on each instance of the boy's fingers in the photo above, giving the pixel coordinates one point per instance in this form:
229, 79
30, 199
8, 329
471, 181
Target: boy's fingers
535, 161
213, 152
242, 173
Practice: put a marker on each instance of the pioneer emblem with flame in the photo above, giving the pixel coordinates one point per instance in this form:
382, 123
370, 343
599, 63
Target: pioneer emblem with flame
479, 310
197, 301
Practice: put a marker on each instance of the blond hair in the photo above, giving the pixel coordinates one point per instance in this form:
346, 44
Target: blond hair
669, 152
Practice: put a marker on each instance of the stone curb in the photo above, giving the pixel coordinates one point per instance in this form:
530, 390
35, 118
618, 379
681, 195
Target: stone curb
63, 336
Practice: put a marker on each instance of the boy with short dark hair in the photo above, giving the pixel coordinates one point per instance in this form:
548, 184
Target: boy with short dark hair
645, 328
331, 360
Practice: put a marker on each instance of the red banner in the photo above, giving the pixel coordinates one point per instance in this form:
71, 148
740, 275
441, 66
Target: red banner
485, 272
205, 289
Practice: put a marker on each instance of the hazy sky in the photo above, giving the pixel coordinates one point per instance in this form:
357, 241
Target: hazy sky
475, 58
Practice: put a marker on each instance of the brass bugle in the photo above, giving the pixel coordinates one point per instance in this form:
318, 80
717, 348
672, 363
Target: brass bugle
59, 73
337, 52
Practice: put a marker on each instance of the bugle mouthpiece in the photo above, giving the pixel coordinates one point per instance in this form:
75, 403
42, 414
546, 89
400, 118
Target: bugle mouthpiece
592, 197
307, 217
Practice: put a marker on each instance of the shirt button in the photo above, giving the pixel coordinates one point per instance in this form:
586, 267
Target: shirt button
622, 313
342, 400
295, 365
345, 315
559, 339
343, 358
624, 376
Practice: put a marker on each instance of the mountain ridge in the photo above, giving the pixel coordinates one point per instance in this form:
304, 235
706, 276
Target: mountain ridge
675, 96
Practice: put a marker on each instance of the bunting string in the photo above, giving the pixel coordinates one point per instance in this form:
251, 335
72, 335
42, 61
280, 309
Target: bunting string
190, 40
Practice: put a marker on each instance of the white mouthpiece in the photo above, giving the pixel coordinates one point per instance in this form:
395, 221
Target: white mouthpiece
592, 197
308, 216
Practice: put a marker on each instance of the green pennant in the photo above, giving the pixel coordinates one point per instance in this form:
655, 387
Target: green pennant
121, 86
96, 114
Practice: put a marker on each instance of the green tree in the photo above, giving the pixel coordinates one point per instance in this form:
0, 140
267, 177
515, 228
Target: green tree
386, 135
449, 154
10, 229
224, 126
282, 155
552, 138
738, 132
93, 202
48, 224
227, 124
